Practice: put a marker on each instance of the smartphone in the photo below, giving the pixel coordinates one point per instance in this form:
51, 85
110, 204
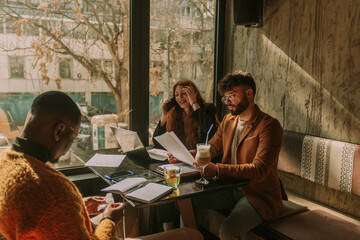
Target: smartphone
171, 104
119, 174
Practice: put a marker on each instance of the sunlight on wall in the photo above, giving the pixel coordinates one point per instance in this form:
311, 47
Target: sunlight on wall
306, 106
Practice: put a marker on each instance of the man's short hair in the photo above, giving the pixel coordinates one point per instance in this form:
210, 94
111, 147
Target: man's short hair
237, 78
57, 103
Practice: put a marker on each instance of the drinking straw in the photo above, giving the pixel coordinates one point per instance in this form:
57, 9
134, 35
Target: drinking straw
207, 134
126, 114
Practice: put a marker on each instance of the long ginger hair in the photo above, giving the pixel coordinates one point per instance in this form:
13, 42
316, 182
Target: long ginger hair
184, 127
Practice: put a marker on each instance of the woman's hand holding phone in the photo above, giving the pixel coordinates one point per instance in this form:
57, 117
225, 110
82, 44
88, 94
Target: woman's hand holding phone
166, 107
170, 104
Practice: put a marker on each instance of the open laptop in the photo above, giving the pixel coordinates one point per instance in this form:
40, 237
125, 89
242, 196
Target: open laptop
131, 144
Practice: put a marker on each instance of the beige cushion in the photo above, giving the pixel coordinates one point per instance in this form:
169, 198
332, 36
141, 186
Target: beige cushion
317, 224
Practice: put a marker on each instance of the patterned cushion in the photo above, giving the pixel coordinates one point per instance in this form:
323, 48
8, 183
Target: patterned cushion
345, 161
328, 162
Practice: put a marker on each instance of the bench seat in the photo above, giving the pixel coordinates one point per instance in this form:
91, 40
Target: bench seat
298, 222
212, 219
316, 224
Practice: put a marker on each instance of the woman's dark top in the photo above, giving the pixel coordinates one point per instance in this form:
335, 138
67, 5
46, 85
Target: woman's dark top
204, 117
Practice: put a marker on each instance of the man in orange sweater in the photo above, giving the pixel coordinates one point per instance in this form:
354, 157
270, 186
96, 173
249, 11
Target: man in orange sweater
38, 202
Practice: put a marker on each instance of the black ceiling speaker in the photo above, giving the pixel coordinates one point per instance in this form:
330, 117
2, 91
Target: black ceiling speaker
248, 13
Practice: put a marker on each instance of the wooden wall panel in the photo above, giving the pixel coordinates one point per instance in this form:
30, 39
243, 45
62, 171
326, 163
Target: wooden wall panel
306, 62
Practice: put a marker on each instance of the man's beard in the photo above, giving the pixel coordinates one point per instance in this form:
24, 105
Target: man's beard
241, 107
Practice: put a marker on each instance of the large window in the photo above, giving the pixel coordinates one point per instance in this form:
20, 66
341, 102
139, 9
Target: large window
84, 50
182, 41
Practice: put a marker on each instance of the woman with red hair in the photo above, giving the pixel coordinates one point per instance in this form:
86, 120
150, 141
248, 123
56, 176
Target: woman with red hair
190, 117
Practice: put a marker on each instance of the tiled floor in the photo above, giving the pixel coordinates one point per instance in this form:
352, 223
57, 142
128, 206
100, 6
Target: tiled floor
312, 205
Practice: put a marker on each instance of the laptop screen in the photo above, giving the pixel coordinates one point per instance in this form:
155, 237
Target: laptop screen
128, 140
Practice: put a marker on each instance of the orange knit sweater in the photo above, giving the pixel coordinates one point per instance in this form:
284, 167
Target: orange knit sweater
38, 202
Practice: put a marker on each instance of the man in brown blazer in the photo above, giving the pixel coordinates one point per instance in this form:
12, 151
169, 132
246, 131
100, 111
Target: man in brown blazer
250, 141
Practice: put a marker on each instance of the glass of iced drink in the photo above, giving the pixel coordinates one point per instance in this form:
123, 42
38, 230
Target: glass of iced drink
202, 159
172, 175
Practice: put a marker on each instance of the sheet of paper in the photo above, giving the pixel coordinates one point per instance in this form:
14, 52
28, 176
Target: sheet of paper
105, 160
125, 185
158, 154
172, 143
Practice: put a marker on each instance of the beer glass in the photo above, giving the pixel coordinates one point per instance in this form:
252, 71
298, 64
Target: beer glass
202, 159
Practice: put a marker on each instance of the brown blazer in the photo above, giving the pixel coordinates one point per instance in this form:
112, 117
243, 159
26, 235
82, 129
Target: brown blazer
257, 158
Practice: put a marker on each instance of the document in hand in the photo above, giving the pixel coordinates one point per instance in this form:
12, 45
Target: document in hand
139, 189
172, 144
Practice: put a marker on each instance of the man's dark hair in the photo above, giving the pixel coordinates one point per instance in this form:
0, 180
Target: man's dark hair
237, 78
57, 103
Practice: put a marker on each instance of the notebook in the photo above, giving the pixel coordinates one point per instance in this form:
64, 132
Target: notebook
139, 189
131, 144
